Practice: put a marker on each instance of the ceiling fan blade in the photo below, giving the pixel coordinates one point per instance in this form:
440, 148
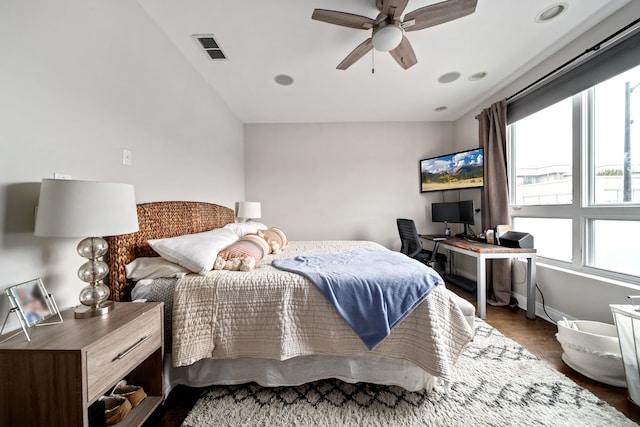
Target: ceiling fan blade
392, 8
343, 19
404, 54
439, 13
356, 54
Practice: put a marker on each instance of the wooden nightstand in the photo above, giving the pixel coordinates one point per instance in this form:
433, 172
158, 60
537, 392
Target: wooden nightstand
55, 378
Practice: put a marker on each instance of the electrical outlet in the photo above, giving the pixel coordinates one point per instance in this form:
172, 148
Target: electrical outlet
126, 157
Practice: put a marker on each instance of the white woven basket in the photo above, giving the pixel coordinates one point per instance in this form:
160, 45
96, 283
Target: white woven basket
592, 348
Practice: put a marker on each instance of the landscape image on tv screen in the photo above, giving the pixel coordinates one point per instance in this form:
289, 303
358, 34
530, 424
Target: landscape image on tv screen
454, 171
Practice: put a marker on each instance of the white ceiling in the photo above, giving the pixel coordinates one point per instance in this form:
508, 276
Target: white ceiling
262, 39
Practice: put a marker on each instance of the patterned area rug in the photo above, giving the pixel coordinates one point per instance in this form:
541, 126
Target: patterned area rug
497, 383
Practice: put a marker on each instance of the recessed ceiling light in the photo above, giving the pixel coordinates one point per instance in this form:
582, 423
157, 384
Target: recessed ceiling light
478, 76
449, 77
551, 12
441, 108
284, 79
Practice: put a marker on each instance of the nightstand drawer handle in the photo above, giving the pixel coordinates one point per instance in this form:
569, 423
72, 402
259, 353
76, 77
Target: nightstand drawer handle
130, 349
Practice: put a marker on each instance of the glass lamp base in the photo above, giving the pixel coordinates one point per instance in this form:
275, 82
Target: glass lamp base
84, 312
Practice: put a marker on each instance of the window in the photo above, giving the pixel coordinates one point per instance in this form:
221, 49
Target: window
543, 160
552, 236
613, 253
616, 146
574, 170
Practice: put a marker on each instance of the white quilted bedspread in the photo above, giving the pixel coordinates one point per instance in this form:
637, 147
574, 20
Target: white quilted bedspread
273, 314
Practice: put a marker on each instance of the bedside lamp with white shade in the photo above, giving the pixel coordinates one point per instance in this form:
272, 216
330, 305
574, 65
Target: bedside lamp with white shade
248, 210
70, 208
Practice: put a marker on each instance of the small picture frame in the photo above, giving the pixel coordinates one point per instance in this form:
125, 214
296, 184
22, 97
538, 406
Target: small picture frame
33, 301
33, 305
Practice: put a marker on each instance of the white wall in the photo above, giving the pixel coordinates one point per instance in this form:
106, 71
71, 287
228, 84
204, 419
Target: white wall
80, 80
565, 293
343, 180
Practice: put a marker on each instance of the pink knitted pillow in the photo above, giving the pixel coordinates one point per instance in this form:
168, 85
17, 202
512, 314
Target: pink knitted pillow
275, 237
242, 255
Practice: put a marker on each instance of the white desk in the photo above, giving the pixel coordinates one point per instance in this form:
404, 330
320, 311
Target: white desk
484, 251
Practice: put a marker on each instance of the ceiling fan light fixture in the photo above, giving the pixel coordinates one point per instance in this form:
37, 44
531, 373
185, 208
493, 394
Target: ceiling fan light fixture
387, 36
389, 26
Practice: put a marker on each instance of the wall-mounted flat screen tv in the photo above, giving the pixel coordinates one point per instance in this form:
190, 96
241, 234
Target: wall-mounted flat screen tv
455, 171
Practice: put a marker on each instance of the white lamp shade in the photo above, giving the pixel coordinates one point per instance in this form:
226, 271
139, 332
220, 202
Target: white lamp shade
69, 208
248, 210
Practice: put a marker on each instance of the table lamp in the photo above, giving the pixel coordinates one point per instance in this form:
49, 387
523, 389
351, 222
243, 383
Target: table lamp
248, 210
70, 208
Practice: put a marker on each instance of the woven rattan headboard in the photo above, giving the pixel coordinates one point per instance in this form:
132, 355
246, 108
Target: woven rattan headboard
158, 220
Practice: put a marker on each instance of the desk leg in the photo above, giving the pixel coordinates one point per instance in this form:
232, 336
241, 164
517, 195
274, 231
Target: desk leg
531, 287
481, 291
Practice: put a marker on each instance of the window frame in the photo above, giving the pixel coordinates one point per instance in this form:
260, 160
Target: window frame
583, 210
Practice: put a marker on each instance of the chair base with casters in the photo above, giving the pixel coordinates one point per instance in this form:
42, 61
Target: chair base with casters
412, 246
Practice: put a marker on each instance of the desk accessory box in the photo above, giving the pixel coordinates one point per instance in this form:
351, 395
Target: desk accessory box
516, 239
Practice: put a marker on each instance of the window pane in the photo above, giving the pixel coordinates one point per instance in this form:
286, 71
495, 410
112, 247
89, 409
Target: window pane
542, 145
613, 253
551, 236
617, 140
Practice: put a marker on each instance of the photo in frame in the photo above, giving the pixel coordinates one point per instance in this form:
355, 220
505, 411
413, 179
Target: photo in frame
33, 305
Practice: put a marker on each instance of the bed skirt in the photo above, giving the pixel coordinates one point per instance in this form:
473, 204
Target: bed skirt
296, 371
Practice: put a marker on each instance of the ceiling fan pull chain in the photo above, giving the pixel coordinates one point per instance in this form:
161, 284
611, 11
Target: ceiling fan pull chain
373, 66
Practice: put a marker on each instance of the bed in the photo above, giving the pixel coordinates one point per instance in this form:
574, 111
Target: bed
214, 339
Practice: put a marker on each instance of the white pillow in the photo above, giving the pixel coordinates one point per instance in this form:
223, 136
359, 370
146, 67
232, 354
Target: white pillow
242, 228
153, 268
197, 252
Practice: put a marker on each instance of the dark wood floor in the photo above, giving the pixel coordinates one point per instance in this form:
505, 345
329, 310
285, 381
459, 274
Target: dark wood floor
538, 336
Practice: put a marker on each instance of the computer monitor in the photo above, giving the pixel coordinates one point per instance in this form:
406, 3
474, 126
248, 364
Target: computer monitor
445, 212
467, 212
462, 212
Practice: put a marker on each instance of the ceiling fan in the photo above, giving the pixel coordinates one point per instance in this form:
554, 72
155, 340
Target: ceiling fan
388, 27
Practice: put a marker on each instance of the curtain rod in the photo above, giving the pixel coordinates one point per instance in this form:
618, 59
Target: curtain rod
593, 48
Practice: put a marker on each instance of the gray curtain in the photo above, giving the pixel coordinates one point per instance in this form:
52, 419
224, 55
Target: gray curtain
495, 194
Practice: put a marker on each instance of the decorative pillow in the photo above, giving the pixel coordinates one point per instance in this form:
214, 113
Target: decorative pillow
242, 255
243, 228
198, 251
275, 237
153, 268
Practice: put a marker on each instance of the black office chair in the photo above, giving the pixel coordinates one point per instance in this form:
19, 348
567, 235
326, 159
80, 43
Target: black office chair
412, 246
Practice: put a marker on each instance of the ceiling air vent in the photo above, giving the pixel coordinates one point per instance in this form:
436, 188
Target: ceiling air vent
210, 46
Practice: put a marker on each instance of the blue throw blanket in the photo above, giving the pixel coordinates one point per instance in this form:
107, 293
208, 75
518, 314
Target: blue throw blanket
372, 290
